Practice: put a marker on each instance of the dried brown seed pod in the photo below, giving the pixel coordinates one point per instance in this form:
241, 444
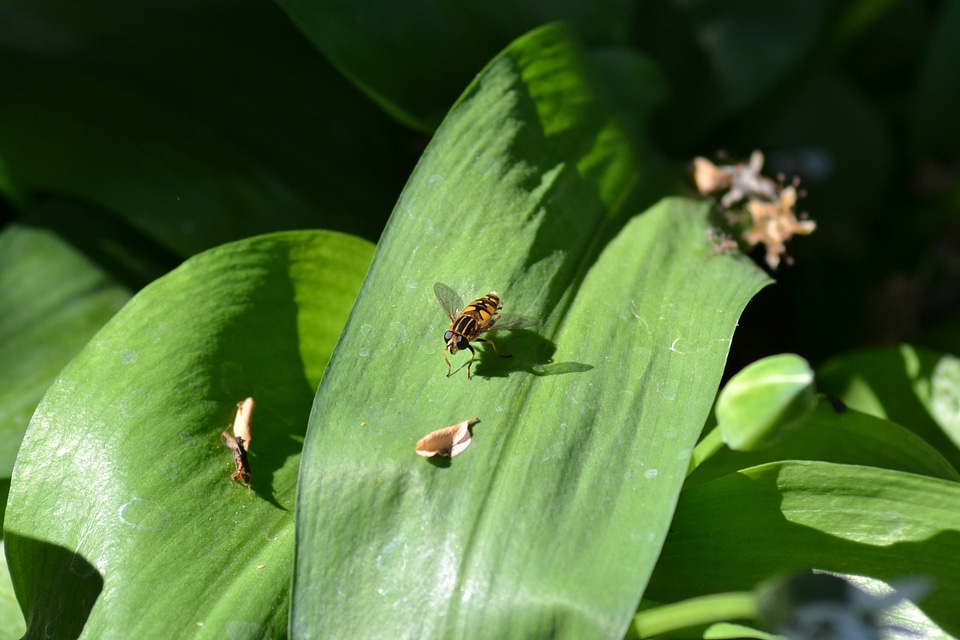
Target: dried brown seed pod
239, 442
449, 441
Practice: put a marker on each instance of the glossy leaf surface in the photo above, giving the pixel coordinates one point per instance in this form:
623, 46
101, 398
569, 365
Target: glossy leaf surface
53, 301
122, 488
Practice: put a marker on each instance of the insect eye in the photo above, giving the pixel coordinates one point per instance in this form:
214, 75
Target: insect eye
447, 336
462, 343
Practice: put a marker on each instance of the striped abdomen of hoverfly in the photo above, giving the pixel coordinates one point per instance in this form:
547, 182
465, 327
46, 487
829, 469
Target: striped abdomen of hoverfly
468, 323
476, 317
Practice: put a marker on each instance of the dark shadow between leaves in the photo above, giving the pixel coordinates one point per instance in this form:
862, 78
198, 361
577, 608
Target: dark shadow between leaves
56, 587
131, 257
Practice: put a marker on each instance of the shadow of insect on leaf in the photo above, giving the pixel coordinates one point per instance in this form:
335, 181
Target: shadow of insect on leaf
534, 354
558, 368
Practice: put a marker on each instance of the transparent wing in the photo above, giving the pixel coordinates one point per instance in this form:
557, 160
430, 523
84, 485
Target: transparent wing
450, 299
512, 322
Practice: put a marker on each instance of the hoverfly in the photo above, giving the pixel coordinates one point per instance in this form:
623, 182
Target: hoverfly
467, 323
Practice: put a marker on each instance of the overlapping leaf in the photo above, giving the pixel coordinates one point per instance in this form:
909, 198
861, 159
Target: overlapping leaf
850, 437
435, 50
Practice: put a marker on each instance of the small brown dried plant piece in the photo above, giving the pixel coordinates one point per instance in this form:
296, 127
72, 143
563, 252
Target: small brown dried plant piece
239, 442
236, 445
708, 177
774, 223
720, 241
449, 441
741, 180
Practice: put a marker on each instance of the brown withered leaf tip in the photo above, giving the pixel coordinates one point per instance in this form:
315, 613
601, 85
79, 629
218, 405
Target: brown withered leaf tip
449, 441
241, 423
240, 461
239, 442
771, 205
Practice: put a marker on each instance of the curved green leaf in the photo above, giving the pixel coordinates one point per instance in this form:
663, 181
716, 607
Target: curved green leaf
736, 531
415, 58
549, 524
765, 402
728, 631
848, 437
122, 512
53, 301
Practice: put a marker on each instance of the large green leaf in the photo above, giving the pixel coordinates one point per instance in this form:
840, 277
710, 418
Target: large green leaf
123, 520
415, 58
549, 524
53, 301
736, 531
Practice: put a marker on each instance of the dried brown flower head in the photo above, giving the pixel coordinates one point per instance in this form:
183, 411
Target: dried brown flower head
770, 204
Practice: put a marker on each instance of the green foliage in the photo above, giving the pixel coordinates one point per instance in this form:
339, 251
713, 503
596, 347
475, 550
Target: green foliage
765, 402
134, 137
392, 542
849, 519
917, 388
122, 488
55, 301
468, 34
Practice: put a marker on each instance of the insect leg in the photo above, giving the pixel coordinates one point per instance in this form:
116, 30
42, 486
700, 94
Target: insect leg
493, 344
449, 368
473, 354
